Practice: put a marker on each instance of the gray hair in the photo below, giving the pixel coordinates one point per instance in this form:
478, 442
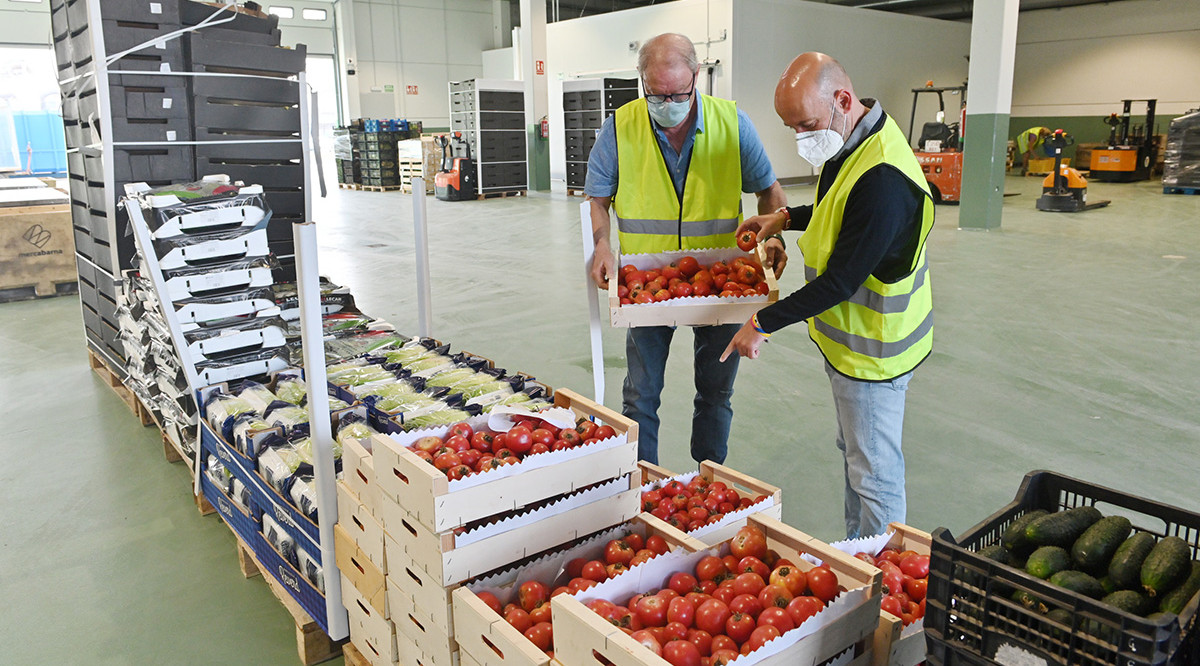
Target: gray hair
668, 48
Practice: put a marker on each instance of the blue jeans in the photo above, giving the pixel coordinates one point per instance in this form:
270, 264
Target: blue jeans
870, 419
646, 350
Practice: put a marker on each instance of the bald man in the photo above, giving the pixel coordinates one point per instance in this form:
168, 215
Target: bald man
867, 296
673, 166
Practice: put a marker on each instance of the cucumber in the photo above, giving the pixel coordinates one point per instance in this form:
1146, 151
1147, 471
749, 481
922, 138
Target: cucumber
996, 553
1175, 600
1047, 561
1029, 601
1013, 537
1125, 569
1093, 550
1061, 616
1077, 581
1107, 583
1130, 601
1166, 566
1063, 528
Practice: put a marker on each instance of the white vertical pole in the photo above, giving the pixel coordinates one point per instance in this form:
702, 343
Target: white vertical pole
421, 232
308, 286
589, 251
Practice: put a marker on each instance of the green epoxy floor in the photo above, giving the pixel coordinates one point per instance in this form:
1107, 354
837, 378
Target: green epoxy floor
1066, 342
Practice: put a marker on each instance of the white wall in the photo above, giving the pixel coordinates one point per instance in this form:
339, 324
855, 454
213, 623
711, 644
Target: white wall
425, 43
598, 46
25, 24
886, 55
1082, 61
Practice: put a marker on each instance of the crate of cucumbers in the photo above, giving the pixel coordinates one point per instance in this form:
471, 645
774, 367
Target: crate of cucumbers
1069, 573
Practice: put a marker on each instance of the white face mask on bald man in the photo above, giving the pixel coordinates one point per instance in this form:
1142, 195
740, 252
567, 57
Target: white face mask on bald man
817, 146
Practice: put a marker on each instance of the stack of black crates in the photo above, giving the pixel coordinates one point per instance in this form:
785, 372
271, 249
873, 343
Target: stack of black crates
490, 114
368, 155
134, 116
586, 103
1181, 160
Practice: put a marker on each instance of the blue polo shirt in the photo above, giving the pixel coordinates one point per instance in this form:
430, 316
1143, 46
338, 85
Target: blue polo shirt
757, 174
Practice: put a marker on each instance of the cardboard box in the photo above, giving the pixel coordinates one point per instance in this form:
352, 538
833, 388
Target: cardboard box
37, 247
693, 310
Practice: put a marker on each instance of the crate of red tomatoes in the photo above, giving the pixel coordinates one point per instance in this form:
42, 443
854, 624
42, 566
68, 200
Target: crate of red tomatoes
709, 504
757, 598
690, 288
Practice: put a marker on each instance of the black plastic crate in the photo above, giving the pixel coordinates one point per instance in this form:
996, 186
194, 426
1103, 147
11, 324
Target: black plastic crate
581, 100
380, 173
144, 11
227, 90
267, 175
971, 619
167, 100
174, 163
384, 164
214, 117
220, 56
380, 182
192, 13
501, 100
501, 120
577, 120
131, 70
614, 99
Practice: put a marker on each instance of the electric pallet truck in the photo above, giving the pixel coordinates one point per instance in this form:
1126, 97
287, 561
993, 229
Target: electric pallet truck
456, 180
1065, 190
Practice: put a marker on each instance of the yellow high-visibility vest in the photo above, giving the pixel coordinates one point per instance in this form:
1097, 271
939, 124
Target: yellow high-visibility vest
651, 216
885, 329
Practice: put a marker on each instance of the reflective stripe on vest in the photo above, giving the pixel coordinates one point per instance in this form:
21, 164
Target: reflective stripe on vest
884, 329
651, 217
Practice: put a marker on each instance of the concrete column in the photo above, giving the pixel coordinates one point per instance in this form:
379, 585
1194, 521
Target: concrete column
537, 99
989, 103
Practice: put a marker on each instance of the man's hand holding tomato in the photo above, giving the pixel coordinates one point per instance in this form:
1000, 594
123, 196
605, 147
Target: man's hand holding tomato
765, 226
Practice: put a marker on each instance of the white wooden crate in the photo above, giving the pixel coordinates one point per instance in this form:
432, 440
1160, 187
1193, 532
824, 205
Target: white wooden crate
358, 472
371, 633
724, 529
357, 569
364, 529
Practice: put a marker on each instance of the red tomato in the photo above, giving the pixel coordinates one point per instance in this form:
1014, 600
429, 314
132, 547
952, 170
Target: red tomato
541, 613
823, 584
618, 551
802, 608
539, 447
641, 556
671, 272
681, 290
604, 432
674, 631
681, 610
723, 657
719, 268
635, 541
651, 611
893, 582
646, 637
657, 544
594, 570
701, 639
580, 584
702, 289
892, 605
457, 443
749, 540
711, 616
489, 599
747, 241
482, 441
776, 617
682, 582
447, 460
689, 266
748, 583
543, 436
661, 294
616, 569
458, 472
571, 436
532, 594
747, 604
702, 275
519, 439
746, 275
462, 429
916, 588
518, 618
725, 592
681, 653
790, 578
739, 627
889, 555
752, 564
761, 636
915, 565
711, 568
775, 595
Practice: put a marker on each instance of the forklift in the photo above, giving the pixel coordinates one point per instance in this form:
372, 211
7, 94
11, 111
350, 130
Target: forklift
456, 179
939, 149
1131, 152
1065, 190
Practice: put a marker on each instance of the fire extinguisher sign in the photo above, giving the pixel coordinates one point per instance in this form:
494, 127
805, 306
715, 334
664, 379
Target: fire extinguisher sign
410, 90
539, 67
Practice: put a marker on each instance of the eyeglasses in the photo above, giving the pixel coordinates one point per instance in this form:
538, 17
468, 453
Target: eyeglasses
677, 97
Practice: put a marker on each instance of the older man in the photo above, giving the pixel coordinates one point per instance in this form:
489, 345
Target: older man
673, 166
867, 299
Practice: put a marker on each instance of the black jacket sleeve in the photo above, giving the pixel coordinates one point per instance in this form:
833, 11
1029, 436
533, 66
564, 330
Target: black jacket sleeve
879, 229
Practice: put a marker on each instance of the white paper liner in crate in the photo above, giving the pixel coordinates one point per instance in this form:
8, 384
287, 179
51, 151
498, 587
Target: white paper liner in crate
598, 493
873, 545
527, 463
731, 517
655, 573
705, 257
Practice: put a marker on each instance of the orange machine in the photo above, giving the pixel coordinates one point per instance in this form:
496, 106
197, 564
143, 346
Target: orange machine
939, 148
1064, 190
1131, 152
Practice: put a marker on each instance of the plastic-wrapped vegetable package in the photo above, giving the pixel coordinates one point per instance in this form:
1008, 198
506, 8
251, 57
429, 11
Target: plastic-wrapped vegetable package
278, 464
281, 541
353, 426
222, 409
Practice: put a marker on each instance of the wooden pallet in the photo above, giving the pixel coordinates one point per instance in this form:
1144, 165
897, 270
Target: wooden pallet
1180, 190
380, 188
575, 193
353, 657
110, 379
501, 195
312, 643
44, 289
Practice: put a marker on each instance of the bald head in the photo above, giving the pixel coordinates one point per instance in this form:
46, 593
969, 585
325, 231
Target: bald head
668, 51
812, 88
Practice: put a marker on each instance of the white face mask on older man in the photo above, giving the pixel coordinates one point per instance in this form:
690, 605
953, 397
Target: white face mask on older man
817, 146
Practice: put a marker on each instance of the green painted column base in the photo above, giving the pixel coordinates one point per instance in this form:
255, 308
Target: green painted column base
984, 153
539, 160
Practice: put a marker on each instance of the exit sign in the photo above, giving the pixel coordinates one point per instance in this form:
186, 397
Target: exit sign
410, 90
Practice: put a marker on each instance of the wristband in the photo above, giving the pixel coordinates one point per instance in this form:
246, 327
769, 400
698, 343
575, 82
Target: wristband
787, 217
780, 237
757, 327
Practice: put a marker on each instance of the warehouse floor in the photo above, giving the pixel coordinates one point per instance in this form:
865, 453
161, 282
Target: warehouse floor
1064, 342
